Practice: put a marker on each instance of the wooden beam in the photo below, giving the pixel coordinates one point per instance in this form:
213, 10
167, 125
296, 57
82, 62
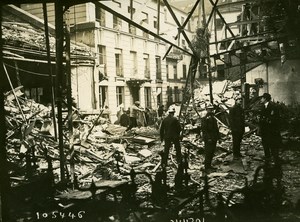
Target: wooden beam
223, 20
244, 22
180, 27
184, 24
50, 68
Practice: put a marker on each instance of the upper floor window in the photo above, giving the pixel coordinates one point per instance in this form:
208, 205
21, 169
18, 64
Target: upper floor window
100, 16
175, 71
158, 67
184, 71
102, 54
120, 95
145, 17
117, 23
147, 66
167, 71
131, 10
102, 59
118, 60
155, 23
133, 58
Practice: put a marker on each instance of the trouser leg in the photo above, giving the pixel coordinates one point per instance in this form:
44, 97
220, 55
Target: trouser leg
178, 151
274, 147
266, 146
209, 152
236, 143
166, 152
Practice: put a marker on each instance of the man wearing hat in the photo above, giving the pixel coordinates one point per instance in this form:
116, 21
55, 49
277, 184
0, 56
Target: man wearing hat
237, 125
170, 133
210, 134
134, 110
270, 129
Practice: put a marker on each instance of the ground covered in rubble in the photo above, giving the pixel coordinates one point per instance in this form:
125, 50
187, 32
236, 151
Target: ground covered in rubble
104, 153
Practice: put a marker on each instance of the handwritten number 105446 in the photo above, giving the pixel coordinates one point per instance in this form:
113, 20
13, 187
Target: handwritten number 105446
58, 215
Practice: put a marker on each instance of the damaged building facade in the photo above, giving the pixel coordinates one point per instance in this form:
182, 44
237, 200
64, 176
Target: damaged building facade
26, 58
267, 66
130, 63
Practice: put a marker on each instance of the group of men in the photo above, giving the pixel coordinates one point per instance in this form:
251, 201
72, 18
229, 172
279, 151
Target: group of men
268, 122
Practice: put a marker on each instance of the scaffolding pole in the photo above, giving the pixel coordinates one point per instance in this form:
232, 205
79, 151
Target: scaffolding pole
59, 34
50, 68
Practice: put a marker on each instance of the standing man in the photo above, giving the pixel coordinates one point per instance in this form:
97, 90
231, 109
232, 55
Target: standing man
160, 110
270, 130
170, 133
134, 114
210, 134
237, 125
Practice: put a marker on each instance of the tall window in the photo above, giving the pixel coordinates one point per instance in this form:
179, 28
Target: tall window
175, 71
176, 92
117, 23
158, 67
102, 62
132, 29
103, 96
133, 62
159, 95
118, 59
145, 17
147, 66
100, 16
120, 95
184, 71
155, 22
167, 71
102, 55
148, 97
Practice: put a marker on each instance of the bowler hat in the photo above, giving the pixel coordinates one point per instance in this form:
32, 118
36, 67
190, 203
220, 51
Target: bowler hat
267, 96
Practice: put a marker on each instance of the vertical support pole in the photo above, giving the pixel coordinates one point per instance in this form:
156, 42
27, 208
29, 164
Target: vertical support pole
59, 33
216, 37
50, 68
69, 100
4, 181
208, 54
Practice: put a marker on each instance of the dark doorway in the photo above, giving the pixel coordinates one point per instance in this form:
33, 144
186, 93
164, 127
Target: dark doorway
135, 93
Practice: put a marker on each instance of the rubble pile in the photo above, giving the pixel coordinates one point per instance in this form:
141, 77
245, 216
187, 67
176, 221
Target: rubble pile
104, 151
